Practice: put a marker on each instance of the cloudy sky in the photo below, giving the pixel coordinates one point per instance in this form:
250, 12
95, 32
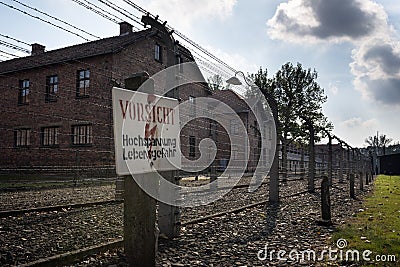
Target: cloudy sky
354, 45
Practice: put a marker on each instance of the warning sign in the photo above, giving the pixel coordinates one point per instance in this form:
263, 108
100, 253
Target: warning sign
146, 132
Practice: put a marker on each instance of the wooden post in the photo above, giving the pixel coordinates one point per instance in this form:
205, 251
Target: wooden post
169, 215
274, 171
352, 195
302, 165
139, 221
348, 163
325, 201
274, 179
361, 170
140, 231
311, 161
213, 175
330, 152
341, 163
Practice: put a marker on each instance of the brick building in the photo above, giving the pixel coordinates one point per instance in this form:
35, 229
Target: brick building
56, 109
222, 135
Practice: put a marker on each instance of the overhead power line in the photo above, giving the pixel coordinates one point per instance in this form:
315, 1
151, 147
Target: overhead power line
15, 47
117, 19
95, 11
12, 55
125, 12
43, 20
88, 5
18, 41
57, 19
181, 35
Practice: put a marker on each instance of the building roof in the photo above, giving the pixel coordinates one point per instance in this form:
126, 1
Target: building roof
323, 148
232, 99
89, 49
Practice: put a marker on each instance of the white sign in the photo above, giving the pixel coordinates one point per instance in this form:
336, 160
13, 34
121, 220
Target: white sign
146, 132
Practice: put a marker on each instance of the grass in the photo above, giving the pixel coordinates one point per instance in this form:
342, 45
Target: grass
377, 226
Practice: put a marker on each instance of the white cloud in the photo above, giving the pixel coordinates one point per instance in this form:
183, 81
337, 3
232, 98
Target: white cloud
333, 21
376, 67
182, 14
236, 61
333, 89
364, 23
359, 123
356, 129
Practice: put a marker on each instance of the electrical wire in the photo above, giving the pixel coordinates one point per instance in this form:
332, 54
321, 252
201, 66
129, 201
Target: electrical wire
55, 18
43, 20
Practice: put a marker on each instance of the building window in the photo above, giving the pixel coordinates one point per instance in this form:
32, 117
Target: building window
234, 153
23, 93
179, 61
192, 106
213, 128
51, 88
256, 131
192, 146
82, 134
234, 127
83, 82
49, 136
22, 137
157, 52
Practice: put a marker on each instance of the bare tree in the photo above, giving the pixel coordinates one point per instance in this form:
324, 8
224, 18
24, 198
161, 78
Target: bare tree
378, 142
216, 83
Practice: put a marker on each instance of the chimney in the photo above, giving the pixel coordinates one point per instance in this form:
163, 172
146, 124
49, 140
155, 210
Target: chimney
37, 49
125, 28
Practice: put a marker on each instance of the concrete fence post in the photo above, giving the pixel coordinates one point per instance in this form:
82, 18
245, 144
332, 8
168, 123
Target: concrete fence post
352, 195
325, 201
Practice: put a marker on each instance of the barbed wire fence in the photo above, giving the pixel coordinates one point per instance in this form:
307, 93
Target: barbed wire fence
205, 59
337, 161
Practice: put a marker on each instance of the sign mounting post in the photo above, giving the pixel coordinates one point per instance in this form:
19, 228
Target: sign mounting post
146, 135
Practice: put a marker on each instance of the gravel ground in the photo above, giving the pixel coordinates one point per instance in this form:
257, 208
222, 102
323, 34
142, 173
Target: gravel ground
236, 239
51, 197
230, 240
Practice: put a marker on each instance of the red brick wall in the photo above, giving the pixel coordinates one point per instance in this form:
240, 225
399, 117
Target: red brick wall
105, 72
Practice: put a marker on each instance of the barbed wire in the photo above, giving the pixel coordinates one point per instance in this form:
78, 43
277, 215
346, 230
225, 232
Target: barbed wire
43, 20
206, 63
57, 19
14, 47
96, 36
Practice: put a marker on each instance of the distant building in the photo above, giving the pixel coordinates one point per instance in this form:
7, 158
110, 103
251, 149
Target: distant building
389, 164
56, 106
226, 151
56, 111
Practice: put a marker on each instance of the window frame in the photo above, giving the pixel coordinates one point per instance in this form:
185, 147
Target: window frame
213, 128
234, 127
18, 138
192, 146
52, 88
24, 92
192, 107
179, 62
234, 153
52, 138
158, 52
84, 132
85, 79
